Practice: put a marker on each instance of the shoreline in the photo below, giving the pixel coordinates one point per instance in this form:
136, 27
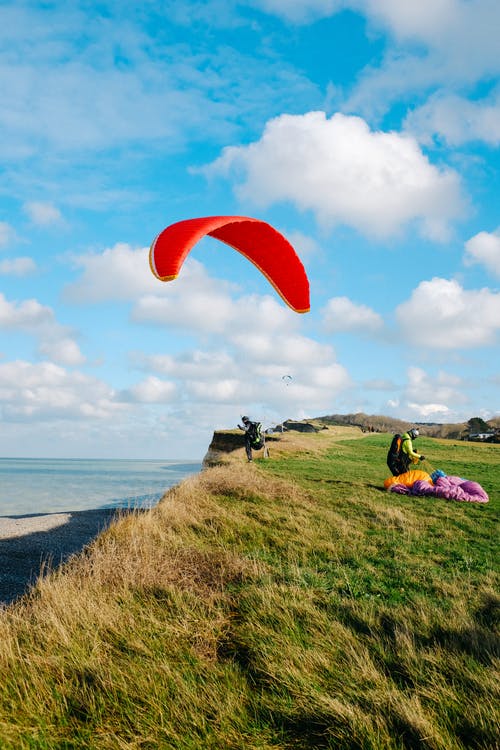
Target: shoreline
33, 542
30, 542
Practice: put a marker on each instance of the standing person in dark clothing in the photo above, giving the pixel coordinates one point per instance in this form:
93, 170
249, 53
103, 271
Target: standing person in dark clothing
253, 436
401, 453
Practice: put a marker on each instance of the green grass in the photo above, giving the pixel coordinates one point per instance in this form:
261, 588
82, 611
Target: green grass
292, 604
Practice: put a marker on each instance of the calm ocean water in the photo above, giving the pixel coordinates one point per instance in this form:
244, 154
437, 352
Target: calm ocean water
40, 485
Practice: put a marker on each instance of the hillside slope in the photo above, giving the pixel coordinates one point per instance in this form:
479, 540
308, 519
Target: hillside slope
286, 604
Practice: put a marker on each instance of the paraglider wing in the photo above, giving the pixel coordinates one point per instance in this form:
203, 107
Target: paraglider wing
258, 241
418, 482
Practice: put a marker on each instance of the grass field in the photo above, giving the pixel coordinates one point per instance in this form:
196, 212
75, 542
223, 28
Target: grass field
290, 603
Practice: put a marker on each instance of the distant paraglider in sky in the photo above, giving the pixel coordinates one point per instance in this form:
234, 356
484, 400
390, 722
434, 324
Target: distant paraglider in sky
258, 241
287, 379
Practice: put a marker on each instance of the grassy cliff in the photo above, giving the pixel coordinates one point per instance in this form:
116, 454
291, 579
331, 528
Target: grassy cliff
288, 603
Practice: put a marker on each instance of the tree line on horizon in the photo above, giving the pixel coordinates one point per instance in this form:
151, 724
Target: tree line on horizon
451, 431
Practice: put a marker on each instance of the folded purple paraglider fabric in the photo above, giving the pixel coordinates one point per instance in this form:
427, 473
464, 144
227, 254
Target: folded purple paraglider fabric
448, 487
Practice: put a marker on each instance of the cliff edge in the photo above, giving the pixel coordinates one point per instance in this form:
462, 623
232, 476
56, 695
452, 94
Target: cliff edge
223, 443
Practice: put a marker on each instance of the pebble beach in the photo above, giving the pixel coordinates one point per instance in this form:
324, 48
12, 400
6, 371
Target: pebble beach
30, 542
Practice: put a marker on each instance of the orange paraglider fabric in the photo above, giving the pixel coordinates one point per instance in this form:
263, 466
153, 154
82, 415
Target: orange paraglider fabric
408, 478
258, 241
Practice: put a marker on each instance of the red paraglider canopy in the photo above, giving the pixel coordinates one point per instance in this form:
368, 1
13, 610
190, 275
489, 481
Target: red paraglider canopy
258, 241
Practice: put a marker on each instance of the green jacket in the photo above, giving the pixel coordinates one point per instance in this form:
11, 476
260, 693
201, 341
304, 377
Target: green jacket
407, 447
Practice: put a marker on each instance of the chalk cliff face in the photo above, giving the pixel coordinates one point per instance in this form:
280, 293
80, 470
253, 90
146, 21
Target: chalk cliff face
222, 444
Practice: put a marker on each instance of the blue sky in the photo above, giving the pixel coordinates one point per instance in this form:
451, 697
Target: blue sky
367, 131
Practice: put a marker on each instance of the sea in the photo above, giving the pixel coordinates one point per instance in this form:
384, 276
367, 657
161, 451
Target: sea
42, 485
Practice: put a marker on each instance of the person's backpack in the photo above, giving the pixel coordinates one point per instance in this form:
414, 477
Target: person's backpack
394, 452
255, 434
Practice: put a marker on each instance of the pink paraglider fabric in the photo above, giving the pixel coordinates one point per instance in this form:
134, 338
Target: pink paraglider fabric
447, 487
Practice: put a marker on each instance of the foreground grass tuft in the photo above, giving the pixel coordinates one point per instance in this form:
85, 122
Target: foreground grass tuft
291, 603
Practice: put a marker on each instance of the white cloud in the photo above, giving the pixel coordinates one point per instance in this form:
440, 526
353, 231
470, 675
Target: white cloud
269, 346
247, 356
306, 247
192, 364
433, 397
202, 304
38, 320
426, 397
17, 266
61, 349
423, 388
116, 86
118, 273
441, 314
413, 19
405, 19
228, 390
207, 312
456, 120
447, 43
298, 11
43, 214
48, 391
151, 390
379, 384
341, 314
345, 173
29, 315
430, 412
484, 248
250, 340
7, 234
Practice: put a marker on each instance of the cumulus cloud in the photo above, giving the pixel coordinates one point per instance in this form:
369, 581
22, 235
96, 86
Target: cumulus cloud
429, 397
441, 314
122, 274
247, 357
424, 388
118, 273
484, 248
457, 46
61, 349
43, 214
408, 19
250, 340
379, 384
306, 246
433, 397
264, 346
430, 412
228, 390
192, 364
118, 87
456, 42
151, 390
203, 304
7, 234
341, 314
298, 11
47, 391
416, 19
344, 173
38, 320
456, 120
17, 266
29, 315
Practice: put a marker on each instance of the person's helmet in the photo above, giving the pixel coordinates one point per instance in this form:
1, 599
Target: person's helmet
245, 419
413, 433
